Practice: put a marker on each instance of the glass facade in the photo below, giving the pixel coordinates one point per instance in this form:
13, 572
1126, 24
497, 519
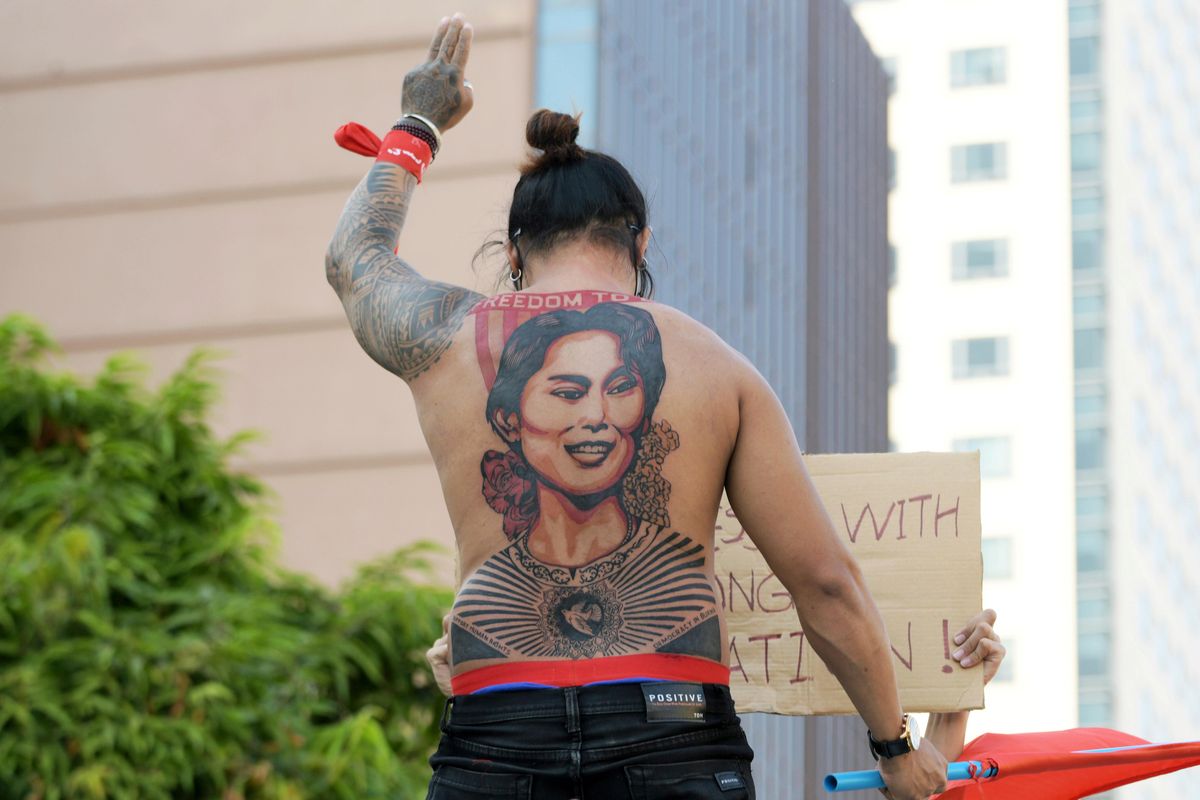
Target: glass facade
566, 76
1092, 545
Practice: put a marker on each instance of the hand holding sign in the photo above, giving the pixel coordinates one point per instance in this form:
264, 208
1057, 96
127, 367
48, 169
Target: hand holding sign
979, 643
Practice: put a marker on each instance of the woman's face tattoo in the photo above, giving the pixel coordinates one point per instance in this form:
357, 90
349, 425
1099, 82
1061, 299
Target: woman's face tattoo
579, 413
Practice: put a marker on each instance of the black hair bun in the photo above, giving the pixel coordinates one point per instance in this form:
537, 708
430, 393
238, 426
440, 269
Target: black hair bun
554, 134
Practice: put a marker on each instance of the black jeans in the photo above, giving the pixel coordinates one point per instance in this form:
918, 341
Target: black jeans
591, 743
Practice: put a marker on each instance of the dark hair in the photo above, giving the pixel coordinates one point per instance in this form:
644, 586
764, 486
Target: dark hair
525, 353
567, 192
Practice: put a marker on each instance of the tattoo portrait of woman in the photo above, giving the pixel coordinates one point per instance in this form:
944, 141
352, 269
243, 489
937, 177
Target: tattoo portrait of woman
583, 501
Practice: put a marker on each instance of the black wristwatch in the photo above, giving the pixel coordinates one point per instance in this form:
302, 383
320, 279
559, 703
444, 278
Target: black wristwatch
910, 739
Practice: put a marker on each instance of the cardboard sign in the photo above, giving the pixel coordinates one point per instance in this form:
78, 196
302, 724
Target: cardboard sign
911, 520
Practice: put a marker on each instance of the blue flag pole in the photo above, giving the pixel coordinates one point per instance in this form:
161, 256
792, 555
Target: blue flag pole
871, 779
956, 771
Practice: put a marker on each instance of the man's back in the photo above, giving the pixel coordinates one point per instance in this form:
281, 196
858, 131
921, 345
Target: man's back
582, 440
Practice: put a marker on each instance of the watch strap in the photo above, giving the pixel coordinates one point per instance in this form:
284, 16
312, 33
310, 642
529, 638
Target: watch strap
893, 747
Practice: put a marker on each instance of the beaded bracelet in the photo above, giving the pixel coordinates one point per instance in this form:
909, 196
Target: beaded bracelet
419, 131
428, 123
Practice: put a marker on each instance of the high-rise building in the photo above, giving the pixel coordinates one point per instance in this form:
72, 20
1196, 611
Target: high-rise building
1061, 339
1149, 593
980, 306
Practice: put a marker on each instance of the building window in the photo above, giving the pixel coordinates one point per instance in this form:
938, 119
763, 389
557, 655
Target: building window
1087, 206
1093, 654
1091, 550
1094, 712
1086, 151
981, 258
568, 61
1089, 449
1086, 110
1092, 403
979, 358
1091, 503
1088, 303
1085, 57
1093, 606
1086, 249
978, 162
1089, 349
997, 557
995, 454
1083, 13
889, 69
977, 67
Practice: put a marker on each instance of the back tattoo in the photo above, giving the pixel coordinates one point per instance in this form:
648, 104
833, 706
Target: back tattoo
593, 567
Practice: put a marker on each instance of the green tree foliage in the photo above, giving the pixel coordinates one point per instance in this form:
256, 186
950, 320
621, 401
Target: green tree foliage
149, 647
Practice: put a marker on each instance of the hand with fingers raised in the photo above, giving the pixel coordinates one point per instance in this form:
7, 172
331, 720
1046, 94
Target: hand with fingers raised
437, 89
979, 644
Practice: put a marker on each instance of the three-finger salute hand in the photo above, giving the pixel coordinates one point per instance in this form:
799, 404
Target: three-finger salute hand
437, 89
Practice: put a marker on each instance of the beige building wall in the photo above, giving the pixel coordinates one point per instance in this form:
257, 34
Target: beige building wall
170, 181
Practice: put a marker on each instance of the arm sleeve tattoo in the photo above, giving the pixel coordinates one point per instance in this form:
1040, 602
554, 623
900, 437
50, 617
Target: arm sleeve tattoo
405, 322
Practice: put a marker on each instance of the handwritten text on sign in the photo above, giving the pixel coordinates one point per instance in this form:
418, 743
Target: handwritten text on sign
911, 520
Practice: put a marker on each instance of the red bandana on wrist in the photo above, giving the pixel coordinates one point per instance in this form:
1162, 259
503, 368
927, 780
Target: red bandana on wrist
400, 148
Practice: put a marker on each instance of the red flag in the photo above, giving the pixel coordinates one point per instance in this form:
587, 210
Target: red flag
1050, 766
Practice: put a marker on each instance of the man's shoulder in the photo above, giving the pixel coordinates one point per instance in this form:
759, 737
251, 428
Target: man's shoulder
701, 340
676, 321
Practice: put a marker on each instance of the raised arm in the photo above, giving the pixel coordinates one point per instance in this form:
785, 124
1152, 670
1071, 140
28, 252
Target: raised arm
404, 321
770, 490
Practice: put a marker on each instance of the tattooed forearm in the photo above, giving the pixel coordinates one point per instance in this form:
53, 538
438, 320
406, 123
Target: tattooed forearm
404, 321
370, 225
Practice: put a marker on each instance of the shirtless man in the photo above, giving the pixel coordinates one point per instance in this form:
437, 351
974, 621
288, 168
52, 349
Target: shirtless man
583, 436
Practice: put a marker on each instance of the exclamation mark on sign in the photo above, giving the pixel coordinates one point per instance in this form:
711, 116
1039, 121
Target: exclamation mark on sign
946, 668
